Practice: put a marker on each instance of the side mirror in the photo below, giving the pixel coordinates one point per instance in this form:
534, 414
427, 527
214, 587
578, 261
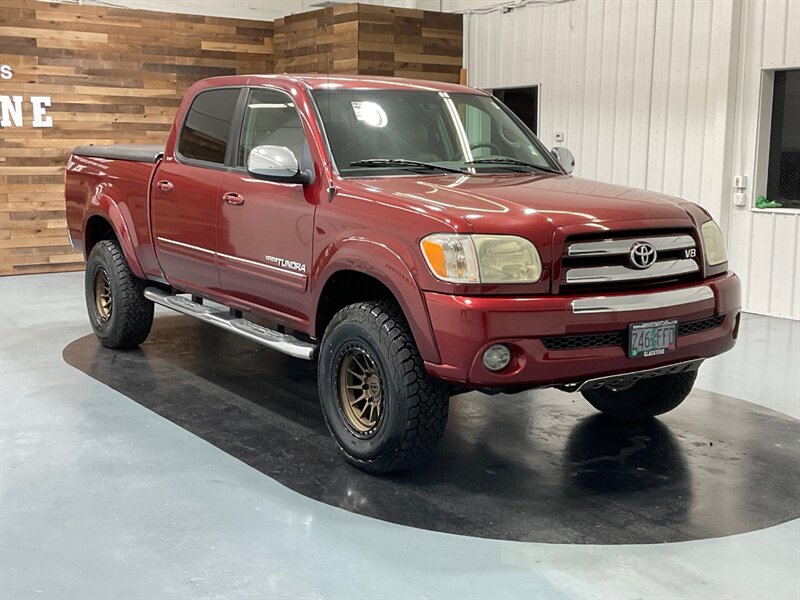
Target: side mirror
276, 163
565, 158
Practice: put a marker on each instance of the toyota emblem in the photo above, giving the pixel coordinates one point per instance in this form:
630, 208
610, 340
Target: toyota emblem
642, 255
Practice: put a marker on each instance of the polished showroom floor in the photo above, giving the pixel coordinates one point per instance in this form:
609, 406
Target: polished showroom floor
198, 466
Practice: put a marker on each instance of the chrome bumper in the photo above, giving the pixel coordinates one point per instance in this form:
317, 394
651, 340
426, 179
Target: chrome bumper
645, 301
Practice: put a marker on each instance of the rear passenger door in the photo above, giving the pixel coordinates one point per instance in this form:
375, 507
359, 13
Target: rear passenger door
265, 228
185, 195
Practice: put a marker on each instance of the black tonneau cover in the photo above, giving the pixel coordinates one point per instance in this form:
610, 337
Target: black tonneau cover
147, 153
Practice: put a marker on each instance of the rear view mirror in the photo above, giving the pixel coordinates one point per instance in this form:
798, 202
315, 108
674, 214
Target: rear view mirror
565, 158
276, 163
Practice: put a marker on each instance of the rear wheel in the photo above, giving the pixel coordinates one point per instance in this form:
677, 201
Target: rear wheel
120, 315
384, 410
645, 398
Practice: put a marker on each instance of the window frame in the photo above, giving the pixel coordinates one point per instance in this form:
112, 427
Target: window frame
233, 130
239, 125
758, 187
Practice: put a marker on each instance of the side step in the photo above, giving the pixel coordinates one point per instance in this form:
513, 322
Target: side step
222, 318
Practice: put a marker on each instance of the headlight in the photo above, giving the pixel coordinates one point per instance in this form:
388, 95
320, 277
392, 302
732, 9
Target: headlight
459, 258
713, 243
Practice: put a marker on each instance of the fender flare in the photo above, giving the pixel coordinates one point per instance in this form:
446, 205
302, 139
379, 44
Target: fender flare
377, 259
104, 205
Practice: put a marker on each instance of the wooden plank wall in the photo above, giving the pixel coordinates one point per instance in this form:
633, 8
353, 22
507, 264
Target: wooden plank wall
320, 41
403, 42
114, 76
117, 76
371, 40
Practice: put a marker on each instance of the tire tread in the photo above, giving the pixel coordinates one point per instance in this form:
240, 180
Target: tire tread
427, 398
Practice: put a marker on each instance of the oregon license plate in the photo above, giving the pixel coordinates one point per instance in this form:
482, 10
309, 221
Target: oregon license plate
653, 338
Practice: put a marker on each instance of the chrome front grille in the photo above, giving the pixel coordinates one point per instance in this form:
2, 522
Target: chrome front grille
611, 273
622, 246
611, 261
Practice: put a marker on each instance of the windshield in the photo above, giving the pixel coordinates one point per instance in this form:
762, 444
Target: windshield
373, 131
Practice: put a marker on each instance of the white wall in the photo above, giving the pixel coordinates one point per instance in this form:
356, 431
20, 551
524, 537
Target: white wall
646, 95
764, 245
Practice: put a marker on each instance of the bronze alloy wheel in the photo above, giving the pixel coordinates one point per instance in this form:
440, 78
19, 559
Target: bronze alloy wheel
102, 295
360, 390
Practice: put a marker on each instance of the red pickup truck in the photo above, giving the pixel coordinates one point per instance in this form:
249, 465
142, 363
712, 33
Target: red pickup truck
414, 238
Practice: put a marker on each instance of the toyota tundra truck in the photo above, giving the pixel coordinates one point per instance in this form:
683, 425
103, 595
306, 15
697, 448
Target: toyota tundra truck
413, 238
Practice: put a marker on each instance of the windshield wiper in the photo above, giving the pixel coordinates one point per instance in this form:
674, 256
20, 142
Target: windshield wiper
402, 162
504, 160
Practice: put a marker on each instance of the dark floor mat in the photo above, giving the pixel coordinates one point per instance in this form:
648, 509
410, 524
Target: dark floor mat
539, 466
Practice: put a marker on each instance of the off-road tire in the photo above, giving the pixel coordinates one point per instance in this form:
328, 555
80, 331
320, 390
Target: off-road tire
644, 399
131, 315
414, 409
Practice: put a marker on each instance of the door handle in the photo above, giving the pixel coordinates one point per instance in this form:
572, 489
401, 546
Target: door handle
164, 185
233, 198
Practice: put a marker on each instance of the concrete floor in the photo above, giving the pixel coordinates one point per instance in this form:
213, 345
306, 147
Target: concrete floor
103, 498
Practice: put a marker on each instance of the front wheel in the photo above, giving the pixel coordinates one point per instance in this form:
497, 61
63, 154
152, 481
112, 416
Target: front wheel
120, 315
645, 398
384, 410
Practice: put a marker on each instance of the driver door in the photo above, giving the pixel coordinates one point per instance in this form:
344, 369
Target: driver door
265, 229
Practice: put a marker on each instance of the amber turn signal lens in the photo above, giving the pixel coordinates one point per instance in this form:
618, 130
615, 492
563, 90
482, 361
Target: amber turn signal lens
434, 253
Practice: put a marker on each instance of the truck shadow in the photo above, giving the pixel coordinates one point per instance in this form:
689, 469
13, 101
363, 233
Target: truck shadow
539, 466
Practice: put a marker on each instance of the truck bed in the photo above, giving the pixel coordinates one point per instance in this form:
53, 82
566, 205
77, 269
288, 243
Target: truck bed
147, 153
113, 183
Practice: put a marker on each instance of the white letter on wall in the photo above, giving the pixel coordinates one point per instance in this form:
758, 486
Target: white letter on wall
40, 117
11, 107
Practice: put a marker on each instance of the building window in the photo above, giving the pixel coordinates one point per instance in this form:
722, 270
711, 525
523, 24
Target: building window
783, 172
523, 102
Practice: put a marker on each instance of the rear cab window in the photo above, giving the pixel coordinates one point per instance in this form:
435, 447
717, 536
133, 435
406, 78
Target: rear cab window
207, 128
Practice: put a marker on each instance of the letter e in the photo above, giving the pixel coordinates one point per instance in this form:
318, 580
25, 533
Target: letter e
40, 116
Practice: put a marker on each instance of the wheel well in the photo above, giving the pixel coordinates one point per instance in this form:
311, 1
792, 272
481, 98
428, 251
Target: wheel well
97, 229
344, 288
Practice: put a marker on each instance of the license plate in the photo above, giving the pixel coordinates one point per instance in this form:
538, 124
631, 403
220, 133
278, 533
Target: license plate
653, 338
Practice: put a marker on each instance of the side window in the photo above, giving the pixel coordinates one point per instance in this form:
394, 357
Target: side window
783, 174
207, 128
270, 119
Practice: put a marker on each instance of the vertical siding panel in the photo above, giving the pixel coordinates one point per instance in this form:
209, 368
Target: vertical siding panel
784, 246
761, 261
623, 96
659, 107
677, 97
795, 307
792, 46
552, 71
594, 67
642, 92
607, 92
774, 21
720, 108
575, 133
696, 104
561, 75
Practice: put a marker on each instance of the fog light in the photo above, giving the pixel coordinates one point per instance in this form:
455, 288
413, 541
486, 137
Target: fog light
496, 357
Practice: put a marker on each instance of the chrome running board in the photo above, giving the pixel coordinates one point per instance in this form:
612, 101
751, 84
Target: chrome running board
623, 380
222, 318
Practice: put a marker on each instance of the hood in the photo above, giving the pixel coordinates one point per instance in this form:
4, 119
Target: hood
525, 203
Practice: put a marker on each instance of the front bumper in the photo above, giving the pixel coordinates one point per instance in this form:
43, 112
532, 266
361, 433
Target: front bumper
465, 326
